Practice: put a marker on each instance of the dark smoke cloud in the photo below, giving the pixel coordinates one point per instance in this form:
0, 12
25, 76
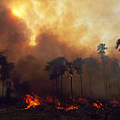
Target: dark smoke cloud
14, 34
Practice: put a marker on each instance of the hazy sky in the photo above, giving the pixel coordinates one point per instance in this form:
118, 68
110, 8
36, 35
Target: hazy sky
78, 24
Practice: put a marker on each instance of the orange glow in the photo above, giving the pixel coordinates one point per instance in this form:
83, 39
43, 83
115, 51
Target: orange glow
69, 108
17, 12
33, 41
32, 101
70, 75
72, 108
114, 102
98, 106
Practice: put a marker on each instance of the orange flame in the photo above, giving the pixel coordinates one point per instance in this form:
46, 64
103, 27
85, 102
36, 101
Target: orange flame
69, 108
71, 75
98, 105
32, 101
72, 108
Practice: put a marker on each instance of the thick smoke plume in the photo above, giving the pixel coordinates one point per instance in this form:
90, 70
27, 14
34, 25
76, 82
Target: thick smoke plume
60, 28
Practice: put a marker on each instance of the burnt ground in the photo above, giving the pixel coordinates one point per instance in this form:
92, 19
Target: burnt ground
86, 111
13, 113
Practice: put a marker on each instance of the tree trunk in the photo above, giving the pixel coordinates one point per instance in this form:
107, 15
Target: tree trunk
56, 86
2, 88
104, 77
81, 92
71, 88
61, 85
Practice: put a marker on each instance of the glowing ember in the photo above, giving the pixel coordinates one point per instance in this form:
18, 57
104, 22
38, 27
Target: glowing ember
49, 99
114, 102
82, 100
72, 108
69, 108
60, 108
57, 102
32, 101
98, 105
70, 75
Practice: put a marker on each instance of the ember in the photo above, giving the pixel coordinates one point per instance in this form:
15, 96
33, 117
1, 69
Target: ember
72, 108
98, 105
114, 102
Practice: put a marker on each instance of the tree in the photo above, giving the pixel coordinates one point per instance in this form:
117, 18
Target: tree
56, 69
77, 64
118, 44
101, 51
5, 69
91, 66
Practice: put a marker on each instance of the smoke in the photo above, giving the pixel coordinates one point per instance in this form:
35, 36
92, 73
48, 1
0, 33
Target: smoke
79, 25
14, 34
60, 28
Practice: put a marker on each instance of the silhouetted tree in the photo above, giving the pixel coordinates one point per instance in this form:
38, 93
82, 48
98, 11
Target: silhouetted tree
56, 69
77, 64
118, 44
5, 69
101, 51
92, 67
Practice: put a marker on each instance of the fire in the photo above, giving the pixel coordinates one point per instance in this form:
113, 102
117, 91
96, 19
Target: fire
71, 75
32, 101
69, 108
72, 108
98, 105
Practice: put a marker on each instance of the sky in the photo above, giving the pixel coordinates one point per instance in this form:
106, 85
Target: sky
78, 26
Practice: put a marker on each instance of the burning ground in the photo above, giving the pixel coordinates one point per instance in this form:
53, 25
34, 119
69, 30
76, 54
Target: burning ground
48, 107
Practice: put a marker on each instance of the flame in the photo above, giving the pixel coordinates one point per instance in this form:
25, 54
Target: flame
71, 75
69, 108
98, 105
72, 107
32, 101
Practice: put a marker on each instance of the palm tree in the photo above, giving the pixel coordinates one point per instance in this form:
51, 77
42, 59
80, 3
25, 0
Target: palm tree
56, 69
3, 71
92, 67
118, 44
77, 64
101, 51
